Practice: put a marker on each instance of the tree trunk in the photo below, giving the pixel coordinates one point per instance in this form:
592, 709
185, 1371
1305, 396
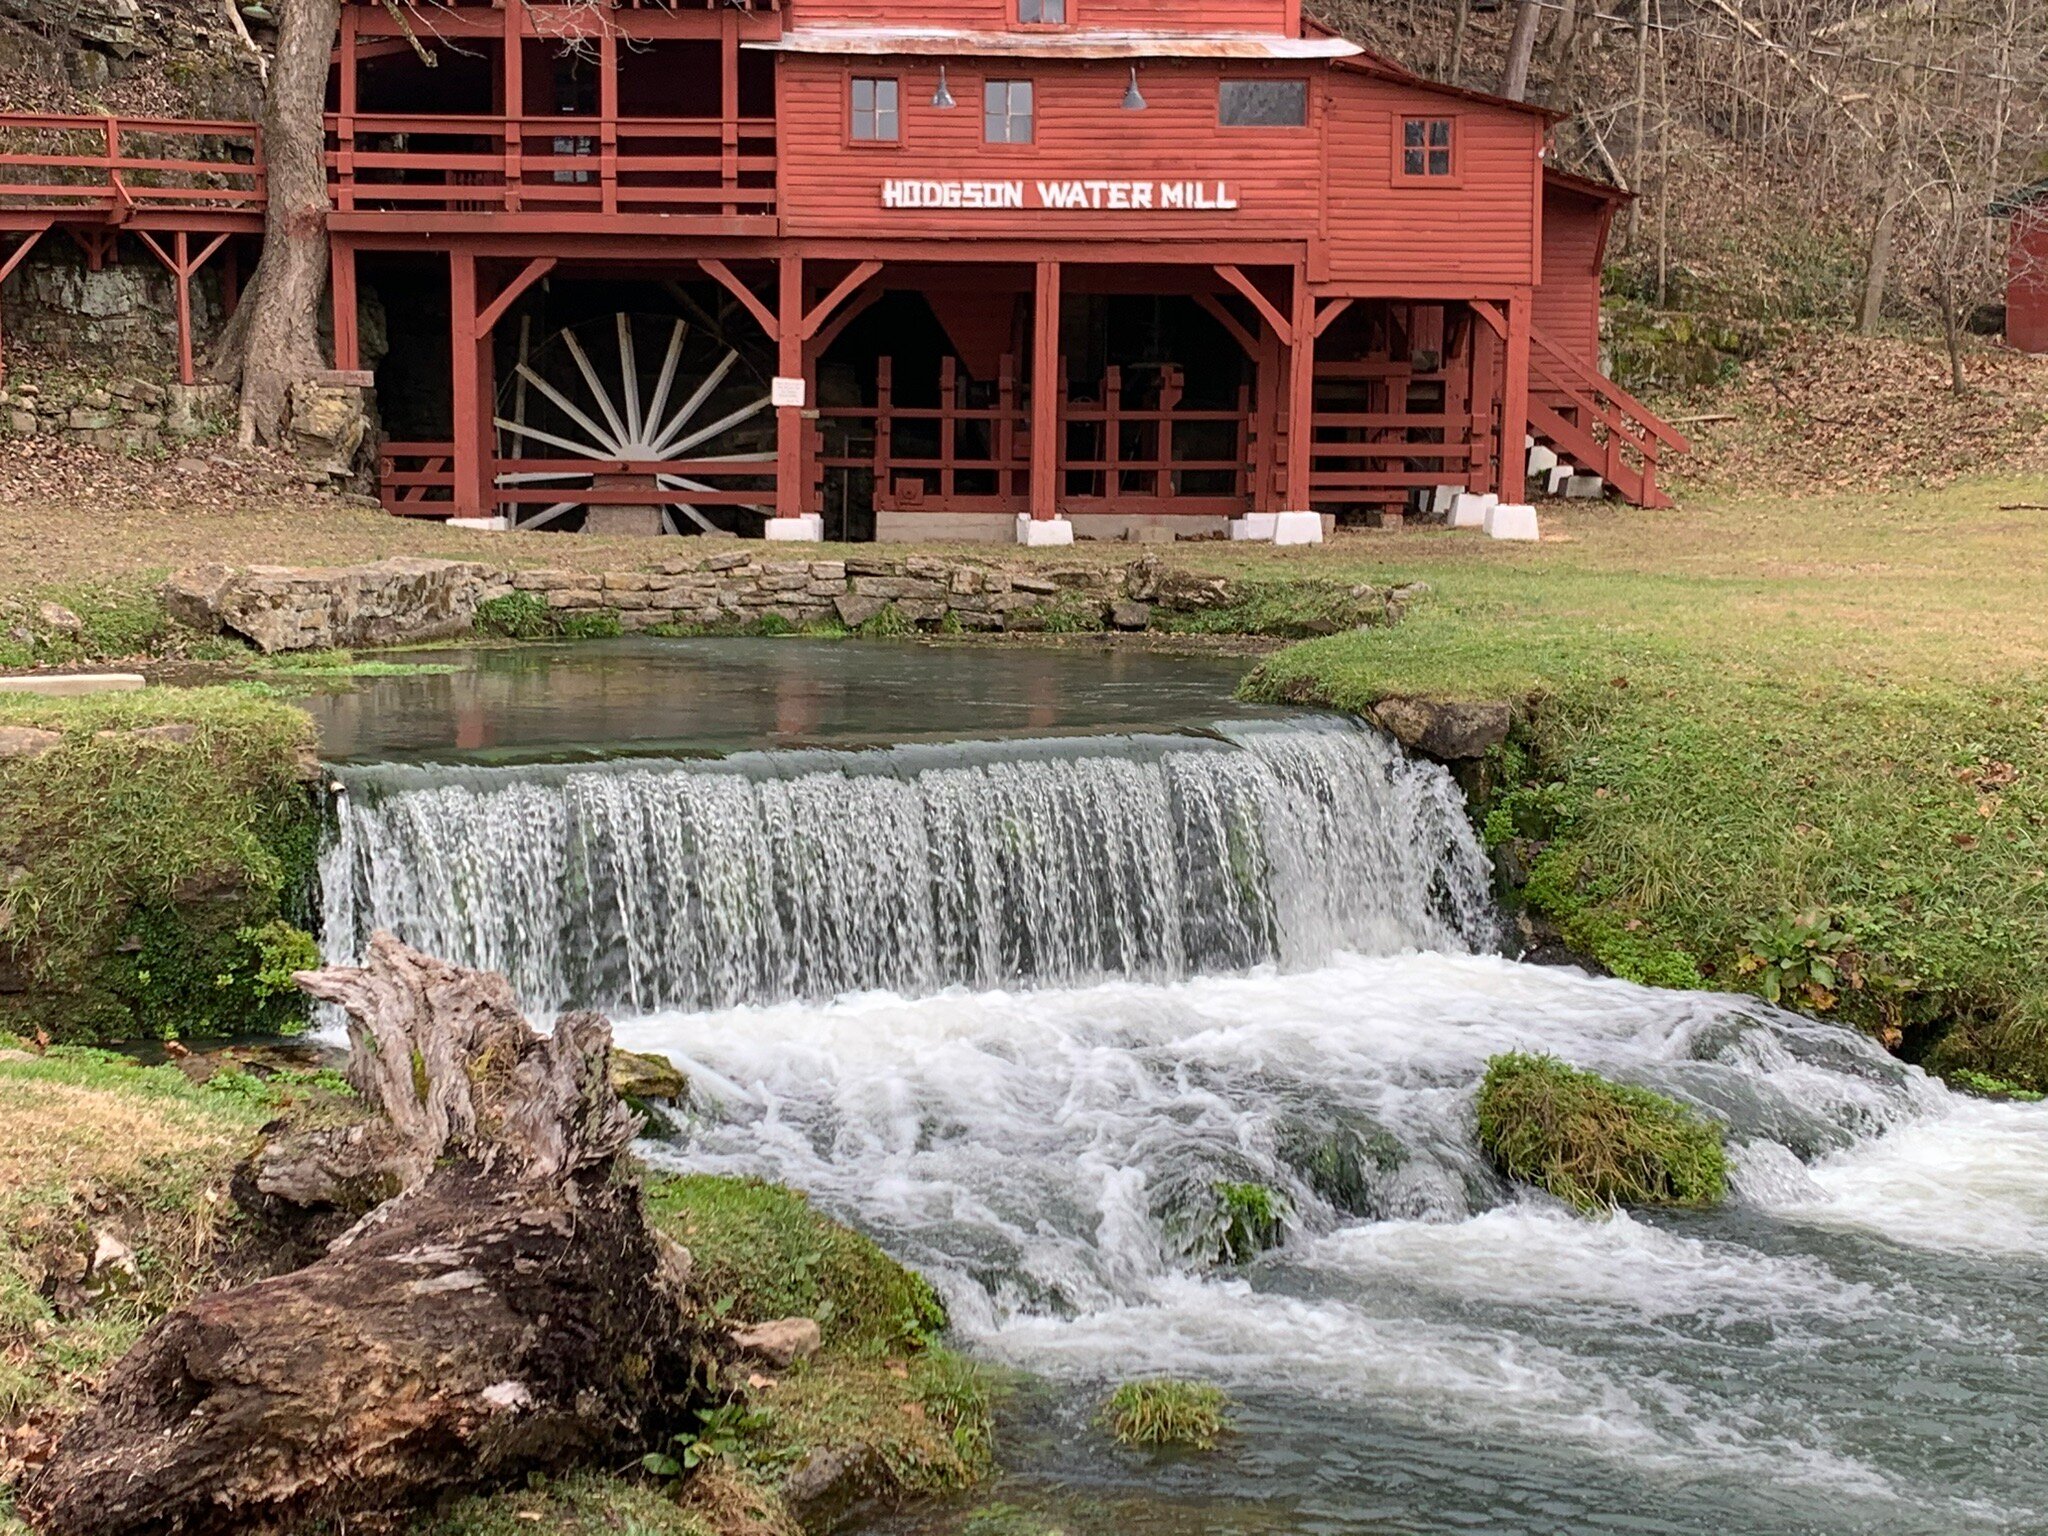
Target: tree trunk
274, 340
1514, 80
1459, 27
507, 1311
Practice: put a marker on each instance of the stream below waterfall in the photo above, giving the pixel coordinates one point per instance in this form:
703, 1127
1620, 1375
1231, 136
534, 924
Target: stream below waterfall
1012, 982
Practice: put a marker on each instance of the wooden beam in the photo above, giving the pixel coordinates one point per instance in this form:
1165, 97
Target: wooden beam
1330, 313
1265, 306
862, 302
1223, 317
1514, 412
1491, 316
789, 364
853, 281
1046, 389
348, 350
723, 274
1301, 395
183, 267
536, 269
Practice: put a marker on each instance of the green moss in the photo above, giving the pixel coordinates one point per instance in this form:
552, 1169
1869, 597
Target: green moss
762, 1253
167, 850
1595, 1143
116, 620
1984, 1084
603, 624
516, 616
1161, 1414
889, 624
317, 666
1072, 614
917, 1426
1288, 610
1252, 1219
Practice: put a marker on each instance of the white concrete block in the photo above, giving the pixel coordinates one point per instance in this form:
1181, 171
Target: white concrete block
806, 529
1542, 460
482, 524
1255, 526
72, 685
1511, 522
1298, 528
1043, 533
1585, 487
1444, 497
1555, 482
1469, 510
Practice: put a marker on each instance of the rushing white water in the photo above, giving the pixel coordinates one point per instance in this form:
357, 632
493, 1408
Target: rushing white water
1049, 1158
1020, 1010
777, 875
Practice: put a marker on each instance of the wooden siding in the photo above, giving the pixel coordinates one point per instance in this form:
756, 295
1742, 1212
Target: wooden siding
2026, 299
832, 188
1574, 244
1280, 16
1481, 231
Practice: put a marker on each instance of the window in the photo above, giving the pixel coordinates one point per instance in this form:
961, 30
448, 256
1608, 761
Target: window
1263, 104
1042, 13
1006, 112
876, 119
1427, 147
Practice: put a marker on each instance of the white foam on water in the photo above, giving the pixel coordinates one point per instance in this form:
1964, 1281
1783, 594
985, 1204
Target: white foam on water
1972, 1180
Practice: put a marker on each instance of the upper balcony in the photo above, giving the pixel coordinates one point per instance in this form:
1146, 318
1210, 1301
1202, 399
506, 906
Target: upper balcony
639, 117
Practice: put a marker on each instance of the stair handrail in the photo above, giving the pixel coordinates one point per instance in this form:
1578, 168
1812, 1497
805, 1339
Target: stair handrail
1581, 379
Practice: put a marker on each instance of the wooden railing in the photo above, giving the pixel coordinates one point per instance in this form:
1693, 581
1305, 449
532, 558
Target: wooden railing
1114, 458
118, 167
1615, 435
1376, 456
417, 163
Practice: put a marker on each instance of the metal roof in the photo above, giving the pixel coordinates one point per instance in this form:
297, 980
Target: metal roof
954, 42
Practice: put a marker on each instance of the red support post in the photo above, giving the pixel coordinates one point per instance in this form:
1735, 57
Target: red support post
345, 116
1514, 411
514, 86
1484, 343
608, 115
1046, 389
472, 479
181, 274
789, 419
1301, 395
348, 350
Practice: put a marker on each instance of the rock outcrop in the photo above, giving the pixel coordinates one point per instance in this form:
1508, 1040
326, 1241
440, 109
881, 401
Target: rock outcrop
279, 608
1448, 730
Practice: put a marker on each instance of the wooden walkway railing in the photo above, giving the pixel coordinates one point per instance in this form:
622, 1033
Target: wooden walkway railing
160, 172
424, 163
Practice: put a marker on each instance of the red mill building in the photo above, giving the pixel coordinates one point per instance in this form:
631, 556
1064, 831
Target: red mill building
1020, 269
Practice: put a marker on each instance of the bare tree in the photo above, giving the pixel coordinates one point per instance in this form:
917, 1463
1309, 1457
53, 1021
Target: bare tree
273, 343
1514, 80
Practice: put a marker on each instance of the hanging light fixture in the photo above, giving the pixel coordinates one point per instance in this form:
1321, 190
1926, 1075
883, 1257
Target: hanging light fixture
942, 98
1134, 99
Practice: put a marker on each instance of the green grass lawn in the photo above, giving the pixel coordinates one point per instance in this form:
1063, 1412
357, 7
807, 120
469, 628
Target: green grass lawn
1789, 745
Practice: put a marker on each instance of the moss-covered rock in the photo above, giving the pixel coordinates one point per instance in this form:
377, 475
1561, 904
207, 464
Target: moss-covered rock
1594, 1143
761, 1252
159, 864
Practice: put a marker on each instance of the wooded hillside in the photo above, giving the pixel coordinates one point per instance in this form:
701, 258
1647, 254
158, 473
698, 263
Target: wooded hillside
1829, 160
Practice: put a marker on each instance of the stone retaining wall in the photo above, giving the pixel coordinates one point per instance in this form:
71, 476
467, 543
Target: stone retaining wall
278, 608
124, 416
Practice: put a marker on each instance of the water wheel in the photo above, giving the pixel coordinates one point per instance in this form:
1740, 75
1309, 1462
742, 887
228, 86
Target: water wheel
641, 389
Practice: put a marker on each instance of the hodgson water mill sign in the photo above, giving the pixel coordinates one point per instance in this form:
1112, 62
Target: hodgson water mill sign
1104, 196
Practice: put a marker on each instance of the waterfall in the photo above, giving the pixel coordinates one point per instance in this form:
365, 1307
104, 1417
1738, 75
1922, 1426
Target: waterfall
643, 886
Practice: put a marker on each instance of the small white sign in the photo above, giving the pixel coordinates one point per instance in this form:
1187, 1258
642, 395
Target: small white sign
787, 393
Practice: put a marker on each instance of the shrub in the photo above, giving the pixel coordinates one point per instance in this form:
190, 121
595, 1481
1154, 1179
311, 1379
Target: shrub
1594, 1143
516, 616
1165, 1413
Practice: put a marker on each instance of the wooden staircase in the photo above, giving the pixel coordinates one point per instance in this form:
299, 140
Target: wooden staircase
1596, 425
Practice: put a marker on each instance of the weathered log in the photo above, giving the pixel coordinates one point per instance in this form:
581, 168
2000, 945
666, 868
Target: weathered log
507, 1310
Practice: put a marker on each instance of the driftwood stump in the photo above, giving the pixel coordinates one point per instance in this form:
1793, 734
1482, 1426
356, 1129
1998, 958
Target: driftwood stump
506, 1309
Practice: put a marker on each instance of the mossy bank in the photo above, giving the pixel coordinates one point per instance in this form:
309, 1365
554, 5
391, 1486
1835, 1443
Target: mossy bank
157, 856
117, 1202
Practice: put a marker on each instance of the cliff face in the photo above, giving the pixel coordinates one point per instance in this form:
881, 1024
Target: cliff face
135, 57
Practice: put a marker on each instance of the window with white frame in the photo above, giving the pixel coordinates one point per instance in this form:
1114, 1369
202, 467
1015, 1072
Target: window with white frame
877, 112
1006, 112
